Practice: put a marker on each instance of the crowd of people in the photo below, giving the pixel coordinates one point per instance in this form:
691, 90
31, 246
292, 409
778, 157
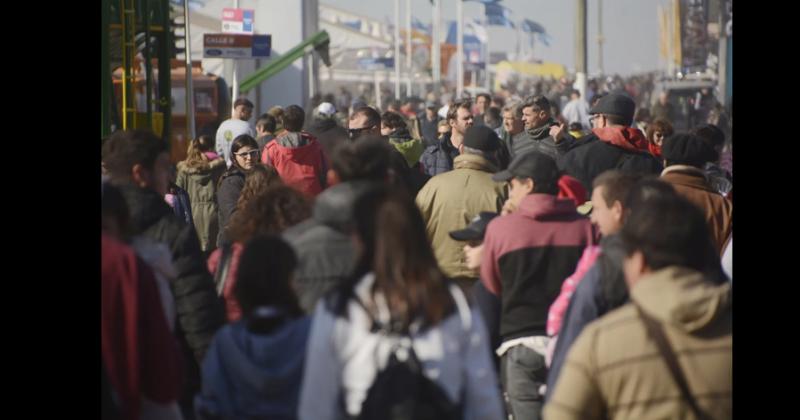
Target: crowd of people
530, 254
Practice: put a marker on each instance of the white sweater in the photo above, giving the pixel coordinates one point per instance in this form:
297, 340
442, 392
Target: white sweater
344, 356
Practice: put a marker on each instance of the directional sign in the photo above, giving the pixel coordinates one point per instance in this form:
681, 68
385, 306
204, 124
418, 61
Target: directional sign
237, 21
236, 46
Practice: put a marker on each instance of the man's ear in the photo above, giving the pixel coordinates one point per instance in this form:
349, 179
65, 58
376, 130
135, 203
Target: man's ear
617, 211
529, 185
140, 175
333, 177
461, 148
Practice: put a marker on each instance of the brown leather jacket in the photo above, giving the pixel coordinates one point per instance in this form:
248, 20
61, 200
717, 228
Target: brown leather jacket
692, 184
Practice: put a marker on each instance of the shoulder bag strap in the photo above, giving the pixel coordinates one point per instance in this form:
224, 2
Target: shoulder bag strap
222, 269
656, 331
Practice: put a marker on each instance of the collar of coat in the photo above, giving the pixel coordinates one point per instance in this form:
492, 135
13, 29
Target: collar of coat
682, 297
688, 176
541, 206
542, 132
470, 161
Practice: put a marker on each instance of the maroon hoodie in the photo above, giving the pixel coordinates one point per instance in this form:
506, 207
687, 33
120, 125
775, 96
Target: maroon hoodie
139, 352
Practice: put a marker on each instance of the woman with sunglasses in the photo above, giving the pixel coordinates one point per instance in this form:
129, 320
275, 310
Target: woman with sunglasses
244, 151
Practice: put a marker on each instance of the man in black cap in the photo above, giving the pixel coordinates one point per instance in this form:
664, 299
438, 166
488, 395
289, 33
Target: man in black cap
685, 155
526, 256
428, 121
613, 144
487, 303
450, 200
538, 120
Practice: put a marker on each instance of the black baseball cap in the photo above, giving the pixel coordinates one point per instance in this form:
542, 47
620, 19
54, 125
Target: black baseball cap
482, 137
535, 165
476, 228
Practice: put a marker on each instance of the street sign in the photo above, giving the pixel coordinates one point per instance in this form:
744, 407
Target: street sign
237, 21
236, 46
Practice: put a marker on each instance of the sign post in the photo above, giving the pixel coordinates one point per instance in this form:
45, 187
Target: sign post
237, 21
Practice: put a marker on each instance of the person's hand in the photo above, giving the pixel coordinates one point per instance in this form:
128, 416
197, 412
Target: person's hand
557, 132
508, 208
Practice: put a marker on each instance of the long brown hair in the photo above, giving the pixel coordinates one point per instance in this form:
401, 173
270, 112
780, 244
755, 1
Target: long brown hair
397, 251
195, 154
258, 179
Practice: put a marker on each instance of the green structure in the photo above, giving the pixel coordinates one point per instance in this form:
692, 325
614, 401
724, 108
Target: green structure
130, 27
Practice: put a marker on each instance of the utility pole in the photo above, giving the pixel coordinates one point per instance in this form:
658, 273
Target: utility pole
436, 57
580, 47
600, 38
190, 134
397, 49
235, 87
408, 48
460, 50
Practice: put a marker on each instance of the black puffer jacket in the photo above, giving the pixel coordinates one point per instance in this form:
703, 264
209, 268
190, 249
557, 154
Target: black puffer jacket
230, 188
540, 140
439, 158
324, 250
592, 156
199, 311
329, 134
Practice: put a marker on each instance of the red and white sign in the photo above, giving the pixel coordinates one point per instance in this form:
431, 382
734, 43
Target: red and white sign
237, 21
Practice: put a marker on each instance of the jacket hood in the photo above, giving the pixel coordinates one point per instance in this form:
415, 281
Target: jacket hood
145, 206
334, 206
682, 297
206, 167
470, 161
411, 149
546, 206
628, 138
543, 131
292, 140
262, 368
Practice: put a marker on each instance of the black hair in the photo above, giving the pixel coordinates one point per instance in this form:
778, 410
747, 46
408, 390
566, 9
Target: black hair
293, 118
263, 279
243, 101
125, 149
267, 123
538, 103
393, 120
366, 158
373, 118
669, 231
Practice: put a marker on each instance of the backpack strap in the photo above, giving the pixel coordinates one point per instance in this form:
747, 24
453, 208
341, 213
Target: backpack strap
221, 274
656, 332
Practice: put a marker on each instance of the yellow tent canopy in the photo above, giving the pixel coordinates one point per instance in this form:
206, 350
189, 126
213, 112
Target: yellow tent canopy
505, 69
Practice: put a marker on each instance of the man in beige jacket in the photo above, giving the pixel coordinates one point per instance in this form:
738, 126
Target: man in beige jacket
450, 200
615, 369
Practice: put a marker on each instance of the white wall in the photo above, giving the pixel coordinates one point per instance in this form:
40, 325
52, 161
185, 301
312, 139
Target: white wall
289, 22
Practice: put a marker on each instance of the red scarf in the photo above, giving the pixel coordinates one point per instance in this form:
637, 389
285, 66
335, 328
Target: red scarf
628, 138
654, 149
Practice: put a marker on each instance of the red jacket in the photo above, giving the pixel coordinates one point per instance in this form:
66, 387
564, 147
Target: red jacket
299, 160
233, 312
140, 353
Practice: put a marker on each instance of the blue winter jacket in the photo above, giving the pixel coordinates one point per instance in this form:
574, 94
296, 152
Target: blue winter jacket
249, 375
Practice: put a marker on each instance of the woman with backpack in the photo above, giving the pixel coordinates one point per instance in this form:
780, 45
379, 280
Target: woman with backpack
397, 338
244, 153
198, 175
254, 366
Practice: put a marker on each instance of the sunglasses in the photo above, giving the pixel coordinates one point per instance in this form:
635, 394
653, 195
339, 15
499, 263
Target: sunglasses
244, 155
355, 132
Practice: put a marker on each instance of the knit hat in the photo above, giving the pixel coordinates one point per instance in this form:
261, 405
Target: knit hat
482, 138
687, 149
476, 228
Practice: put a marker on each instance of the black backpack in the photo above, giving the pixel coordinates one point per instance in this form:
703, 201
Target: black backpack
401, 390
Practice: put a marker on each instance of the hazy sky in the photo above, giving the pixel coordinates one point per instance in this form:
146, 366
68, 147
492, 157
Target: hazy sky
630, 28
